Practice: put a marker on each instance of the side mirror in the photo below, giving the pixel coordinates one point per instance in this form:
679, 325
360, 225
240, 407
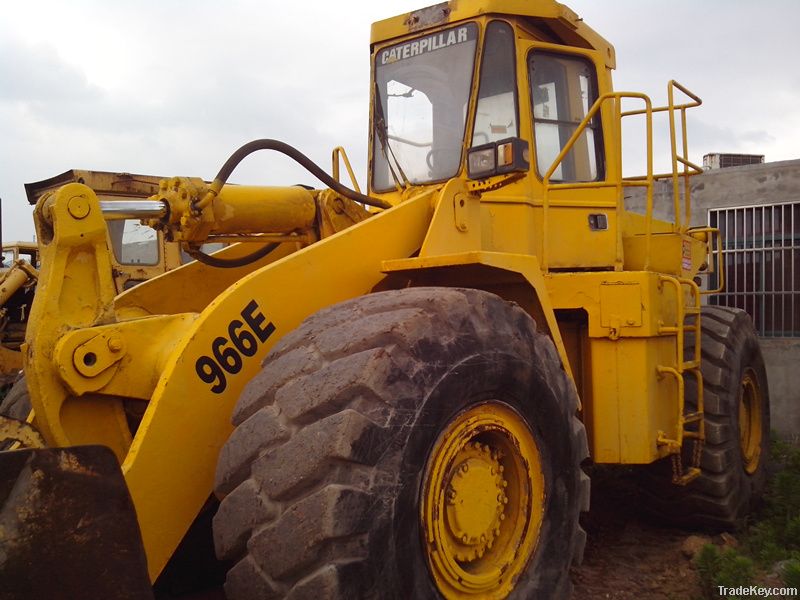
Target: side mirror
504, 156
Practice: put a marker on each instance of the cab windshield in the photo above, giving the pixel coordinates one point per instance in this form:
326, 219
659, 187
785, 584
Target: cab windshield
422, 90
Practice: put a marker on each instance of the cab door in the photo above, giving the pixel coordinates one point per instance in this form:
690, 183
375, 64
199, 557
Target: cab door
579, 209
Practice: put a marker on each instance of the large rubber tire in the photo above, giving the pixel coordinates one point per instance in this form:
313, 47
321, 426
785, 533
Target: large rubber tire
321, 480
730, 485
17, 402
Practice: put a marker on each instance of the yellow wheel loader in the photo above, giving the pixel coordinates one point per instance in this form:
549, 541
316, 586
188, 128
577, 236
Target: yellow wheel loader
390, 393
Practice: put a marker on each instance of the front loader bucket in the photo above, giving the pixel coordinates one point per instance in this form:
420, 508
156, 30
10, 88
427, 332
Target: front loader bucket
68, 528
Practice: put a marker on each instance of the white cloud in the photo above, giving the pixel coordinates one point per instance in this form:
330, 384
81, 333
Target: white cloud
173, 88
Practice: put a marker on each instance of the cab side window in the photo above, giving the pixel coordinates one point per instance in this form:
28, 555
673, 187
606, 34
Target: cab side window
563, 88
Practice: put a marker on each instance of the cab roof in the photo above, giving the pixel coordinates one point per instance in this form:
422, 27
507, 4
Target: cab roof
104, 183
559, 22
29, 246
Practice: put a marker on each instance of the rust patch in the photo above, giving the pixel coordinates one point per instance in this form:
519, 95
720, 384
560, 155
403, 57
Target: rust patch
70, 463
428, 17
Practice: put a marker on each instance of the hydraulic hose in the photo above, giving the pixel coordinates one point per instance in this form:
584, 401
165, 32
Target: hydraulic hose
293, 153
228, 263
237, 157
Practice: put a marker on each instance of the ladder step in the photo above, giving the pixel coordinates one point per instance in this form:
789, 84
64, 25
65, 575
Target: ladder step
692, 417
690, 365
689, 476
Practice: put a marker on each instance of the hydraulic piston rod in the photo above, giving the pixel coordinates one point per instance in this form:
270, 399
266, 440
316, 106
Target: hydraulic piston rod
118, 210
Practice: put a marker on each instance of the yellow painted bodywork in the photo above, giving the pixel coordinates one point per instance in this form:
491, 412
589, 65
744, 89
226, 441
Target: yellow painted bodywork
626, 402
154, 372
614, 322
552, 13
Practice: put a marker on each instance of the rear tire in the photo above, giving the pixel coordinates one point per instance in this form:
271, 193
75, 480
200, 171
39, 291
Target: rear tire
734, 457
338, 438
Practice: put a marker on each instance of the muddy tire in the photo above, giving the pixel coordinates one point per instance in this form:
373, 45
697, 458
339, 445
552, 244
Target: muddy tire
734, 456
17, 402
323, 480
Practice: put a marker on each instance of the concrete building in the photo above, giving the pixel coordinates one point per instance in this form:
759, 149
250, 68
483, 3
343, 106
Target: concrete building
758, 208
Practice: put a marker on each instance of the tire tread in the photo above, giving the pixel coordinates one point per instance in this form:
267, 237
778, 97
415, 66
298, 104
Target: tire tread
330, 390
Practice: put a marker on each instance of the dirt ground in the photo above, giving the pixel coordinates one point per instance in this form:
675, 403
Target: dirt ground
628, 556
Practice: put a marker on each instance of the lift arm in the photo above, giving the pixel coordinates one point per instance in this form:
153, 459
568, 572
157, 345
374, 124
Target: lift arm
159, 388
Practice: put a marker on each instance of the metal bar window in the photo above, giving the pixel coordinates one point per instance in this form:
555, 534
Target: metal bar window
760, 251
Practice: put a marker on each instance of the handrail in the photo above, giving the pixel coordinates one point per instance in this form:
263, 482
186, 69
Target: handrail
696, 101
682, 167
337, 154
688, 167
719, 269
618, 182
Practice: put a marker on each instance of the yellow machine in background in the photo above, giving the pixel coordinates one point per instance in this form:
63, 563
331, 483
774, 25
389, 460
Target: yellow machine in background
392, 393
17, 280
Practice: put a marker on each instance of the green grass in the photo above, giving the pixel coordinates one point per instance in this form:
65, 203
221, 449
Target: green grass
726, 568
772, 537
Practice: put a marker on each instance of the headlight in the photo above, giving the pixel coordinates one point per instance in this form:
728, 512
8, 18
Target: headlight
504, 156
481, 162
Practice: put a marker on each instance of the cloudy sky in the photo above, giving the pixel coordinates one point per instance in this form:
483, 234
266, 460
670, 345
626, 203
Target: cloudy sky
172, 88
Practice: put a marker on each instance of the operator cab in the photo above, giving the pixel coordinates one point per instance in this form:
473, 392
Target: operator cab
508, 89
26, 251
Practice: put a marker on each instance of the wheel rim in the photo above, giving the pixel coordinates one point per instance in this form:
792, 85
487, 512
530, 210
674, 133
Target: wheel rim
482, 502
750, 421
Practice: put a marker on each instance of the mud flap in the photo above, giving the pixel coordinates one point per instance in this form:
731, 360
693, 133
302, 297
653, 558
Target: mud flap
68, 528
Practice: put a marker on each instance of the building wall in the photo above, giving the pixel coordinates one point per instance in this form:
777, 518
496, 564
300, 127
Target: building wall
782, 357
769, 183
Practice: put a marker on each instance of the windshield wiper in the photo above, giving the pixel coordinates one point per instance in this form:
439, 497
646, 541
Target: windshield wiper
383, 138
408, 94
